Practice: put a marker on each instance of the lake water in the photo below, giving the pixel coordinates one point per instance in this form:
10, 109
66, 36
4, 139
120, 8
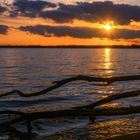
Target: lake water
34, 69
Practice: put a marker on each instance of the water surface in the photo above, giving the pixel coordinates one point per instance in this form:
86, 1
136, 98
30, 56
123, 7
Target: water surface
33, 69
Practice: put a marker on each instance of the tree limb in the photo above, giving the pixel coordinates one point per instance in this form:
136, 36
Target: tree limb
77, 112
60, 83
111, 98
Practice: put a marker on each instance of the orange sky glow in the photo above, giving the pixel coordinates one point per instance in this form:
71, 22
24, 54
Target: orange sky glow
107, 27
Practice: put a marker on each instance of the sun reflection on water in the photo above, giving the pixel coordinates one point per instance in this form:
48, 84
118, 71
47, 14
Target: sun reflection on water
107, 60
108, 66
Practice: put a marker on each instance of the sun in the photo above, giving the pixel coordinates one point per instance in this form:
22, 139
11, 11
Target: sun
107, 27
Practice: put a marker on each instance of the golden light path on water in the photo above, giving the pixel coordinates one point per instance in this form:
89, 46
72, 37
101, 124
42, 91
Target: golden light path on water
108, 63
107, 58
109, 128
108, 66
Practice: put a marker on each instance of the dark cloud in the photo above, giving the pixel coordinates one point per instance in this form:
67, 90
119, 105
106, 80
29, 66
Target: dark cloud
80, 32
59, 31
92, 12
2, 9
125, 34
3, 29
30, 8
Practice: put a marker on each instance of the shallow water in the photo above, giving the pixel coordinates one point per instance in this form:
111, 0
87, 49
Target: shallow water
33, 69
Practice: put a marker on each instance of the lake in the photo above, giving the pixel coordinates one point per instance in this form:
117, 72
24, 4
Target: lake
34, 69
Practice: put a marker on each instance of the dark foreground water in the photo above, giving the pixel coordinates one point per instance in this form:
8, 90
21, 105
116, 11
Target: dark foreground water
34, 69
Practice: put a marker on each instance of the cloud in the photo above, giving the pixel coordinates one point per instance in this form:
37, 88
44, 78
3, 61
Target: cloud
3, 29
91, 12
80, 32
94, 12
59, 31
30, 8
2, 9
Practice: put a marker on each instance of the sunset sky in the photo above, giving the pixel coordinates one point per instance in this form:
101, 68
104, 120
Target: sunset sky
69, 22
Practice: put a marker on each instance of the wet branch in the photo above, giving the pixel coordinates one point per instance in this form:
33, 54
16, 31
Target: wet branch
86, 110
111, 98
30, 117
57, 84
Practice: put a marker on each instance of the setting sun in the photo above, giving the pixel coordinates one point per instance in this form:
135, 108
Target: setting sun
107, 27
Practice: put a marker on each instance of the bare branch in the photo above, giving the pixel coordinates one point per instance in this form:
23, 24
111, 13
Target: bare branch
111, 98
60, 83
74, 112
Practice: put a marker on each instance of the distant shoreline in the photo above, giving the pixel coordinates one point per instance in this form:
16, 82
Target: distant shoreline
76, 47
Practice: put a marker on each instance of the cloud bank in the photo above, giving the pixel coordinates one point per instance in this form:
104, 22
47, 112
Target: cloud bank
80, 32
91, 12
3, 29
30, 8
2, 9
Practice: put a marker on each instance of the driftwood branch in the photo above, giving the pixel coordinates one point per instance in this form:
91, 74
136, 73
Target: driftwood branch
111, 98
71, 113
83, 108
60, 83
86, 110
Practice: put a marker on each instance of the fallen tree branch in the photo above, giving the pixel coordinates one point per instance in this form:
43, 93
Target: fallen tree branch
72, 113
60, 83
99, 79
90, 106
87, 110
111, 98
13, 112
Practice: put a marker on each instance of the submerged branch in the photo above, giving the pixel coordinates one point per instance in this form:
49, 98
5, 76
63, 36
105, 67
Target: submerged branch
86, 110
60, 83
73, 113
99, 79
12, 112
111, 98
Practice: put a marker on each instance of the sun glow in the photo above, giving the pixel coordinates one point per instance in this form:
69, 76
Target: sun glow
108, 25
